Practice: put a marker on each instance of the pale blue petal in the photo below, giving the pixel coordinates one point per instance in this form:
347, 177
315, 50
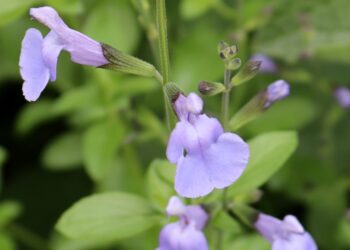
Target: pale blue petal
192, 179
208, 130
226, 159
83, 49
52, 46
198, 215
176, 236
269, 227
33, 69
175, 146
295, 242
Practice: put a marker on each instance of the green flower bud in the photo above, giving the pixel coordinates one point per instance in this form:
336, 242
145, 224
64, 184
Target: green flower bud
227, 52
122, 62
172, 91
249, 70
234, 64
211, 88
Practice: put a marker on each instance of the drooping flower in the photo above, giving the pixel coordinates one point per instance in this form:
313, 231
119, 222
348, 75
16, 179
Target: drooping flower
276, 91
342, 95
185, 234
286, 234
39, 55
267, 64
205, 155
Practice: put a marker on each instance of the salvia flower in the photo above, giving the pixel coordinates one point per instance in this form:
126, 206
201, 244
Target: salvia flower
39, 54
342, 95
267, 64
205, 155
276, 91
286, 234
185, 234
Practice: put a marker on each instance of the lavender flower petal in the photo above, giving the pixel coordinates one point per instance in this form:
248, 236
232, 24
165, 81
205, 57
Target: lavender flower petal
82, 48
192, 179
276, 91
33, 69
342, 95
51, 49
177, 237
226, 160
197, 215
267, 64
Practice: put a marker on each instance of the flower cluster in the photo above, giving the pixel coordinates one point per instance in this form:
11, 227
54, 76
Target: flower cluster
185, 234
205, 155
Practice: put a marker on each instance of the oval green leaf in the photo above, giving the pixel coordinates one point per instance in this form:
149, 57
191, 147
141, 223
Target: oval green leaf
107, 217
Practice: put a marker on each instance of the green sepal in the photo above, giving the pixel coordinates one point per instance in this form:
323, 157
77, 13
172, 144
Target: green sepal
244, 213
249, 70
211, 88
125, 63
248, 112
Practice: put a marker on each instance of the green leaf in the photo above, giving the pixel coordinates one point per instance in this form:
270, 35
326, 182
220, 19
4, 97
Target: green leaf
268, 153
114, 23
9, 210
249, 242
11, 10
279, 117
81, 97
33, 115
194, 8
107, 217
6, 242
67, 6
160, 182
64, 152
100, 144
304, 26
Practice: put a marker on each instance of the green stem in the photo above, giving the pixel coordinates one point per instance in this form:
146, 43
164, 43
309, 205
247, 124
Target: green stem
164, 54
27, 237
163, 39
226, 99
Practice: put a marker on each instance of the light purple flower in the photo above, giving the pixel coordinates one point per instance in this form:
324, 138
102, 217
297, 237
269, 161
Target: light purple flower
288, 234
342, 95
206, 157
267, 64
39, 54
276, 91
185, 234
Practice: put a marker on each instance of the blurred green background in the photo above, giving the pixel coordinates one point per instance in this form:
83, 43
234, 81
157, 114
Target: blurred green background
94, 130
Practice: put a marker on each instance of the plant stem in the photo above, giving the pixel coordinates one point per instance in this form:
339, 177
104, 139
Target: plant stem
226, 99
163, 39
27, 237
164, 54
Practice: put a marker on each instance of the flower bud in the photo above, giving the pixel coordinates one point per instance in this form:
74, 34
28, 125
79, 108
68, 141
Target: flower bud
249, 70
122, 62
227, 52
276, 91
259, 103
234, 64
210, 88
172, 91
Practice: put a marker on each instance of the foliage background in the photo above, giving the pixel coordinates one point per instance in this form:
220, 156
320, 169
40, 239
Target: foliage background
95, 131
